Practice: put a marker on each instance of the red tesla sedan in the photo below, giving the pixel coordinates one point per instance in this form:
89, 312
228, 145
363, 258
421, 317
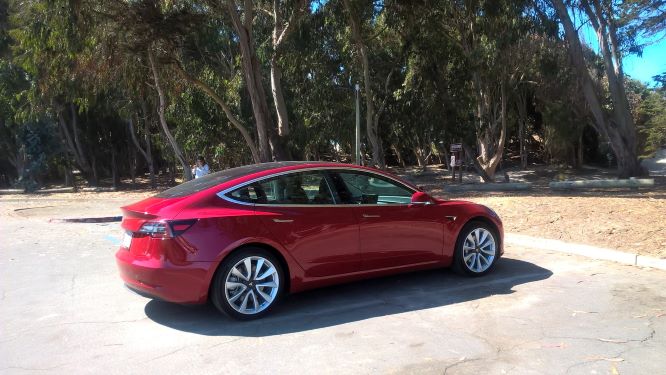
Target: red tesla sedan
245, 236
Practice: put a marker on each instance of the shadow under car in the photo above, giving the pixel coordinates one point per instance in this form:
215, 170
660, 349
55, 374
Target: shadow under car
352, 302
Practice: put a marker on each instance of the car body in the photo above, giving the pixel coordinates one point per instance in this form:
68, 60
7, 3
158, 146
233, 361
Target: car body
321, 223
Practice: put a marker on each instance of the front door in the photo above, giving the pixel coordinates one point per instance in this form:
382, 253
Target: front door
393, 232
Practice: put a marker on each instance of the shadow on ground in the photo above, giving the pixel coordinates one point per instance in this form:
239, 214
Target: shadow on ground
352, 302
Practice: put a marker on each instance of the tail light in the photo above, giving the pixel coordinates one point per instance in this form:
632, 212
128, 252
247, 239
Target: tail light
166, 229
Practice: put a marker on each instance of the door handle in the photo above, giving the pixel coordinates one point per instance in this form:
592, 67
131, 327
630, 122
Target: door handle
368, 215
283, 220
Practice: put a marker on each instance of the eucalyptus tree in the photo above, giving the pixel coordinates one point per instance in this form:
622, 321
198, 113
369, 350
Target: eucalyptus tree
45, 46
487, 33
616, 124
321, 96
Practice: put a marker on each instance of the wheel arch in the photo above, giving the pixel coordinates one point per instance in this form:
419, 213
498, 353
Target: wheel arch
485, 220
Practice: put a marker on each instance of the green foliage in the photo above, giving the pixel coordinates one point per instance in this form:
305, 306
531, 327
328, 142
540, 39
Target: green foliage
38, 147
651, 123
82, 66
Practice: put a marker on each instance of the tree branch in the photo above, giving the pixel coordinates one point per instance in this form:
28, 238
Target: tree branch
291, 23
225, 108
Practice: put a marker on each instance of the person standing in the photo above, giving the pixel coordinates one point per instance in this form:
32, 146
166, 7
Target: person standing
201, 168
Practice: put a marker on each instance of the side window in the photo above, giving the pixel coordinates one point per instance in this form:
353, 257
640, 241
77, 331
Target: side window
295, 188
366, 188
248, 194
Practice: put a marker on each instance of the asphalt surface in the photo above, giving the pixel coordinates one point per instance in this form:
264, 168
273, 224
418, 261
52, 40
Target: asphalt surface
64, 310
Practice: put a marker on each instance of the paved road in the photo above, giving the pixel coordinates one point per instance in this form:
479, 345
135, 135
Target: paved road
64, 310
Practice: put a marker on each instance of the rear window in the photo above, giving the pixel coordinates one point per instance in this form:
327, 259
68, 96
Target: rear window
214, 179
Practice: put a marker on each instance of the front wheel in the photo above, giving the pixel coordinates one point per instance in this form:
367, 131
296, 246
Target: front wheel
477, 249
248, 284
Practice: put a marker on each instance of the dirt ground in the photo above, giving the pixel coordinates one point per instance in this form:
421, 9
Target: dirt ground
625, 220
635, 224
620, 219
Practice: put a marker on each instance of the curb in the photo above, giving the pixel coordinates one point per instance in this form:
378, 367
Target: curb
11, 191
107, 219
502, 186
584, 250
633, 183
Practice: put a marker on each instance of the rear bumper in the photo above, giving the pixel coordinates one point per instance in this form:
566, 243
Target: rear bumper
155, 278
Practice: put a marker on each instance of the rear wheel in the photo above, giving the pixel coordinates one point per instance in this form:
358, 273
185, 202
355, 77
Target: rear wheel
248, 284
477, 249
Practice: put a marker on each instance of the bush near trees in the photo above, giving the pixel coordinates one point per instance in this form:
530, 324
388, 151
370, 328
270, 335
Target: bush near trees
116, 89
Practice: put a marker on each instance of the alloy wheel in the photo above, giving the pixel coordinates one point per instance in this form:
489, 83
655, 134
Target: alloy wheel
479, 250
252, 285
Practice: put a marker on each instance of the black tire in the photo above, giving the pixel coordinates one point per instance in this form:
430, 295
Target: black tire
459, 265
219, 293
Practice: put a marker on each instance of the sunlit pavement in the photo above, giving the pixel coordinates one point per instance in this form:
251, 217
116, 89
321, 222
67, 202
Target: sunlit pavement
65, 310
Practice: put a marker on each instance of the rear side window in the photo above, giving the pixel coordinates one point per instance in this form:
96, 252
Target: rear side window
296, 188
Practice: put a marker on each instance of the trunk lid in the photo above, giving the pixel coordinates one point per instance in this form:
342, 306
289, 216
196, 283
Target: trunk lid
150, 209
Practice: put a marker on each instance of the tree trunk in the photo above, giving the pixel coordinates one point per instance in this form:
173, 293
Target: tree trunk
149, 153
73, 145
447, 159
420, 159
491, 147
472, 159
398, 155
280, 33
253, 81
619, 129
522, 120
75, 131
278, 97
187, 172
371, 126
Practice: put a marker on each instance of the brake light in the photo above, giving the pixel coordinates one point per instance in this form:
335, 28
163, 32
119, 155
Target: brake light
154, 229
166, 229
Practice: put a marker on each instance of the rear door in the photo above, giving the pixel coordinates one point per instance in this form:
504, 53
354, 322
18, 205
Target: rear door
302, 214
393, 232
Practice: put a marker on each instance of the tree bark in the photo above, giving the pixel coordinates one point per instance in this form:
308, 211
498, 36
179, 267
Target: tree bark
491, 146
371, 126
73, 145
253, 79
280, 33
187, 172
619, 129
470, 155
522, 120
147, 155
398, 155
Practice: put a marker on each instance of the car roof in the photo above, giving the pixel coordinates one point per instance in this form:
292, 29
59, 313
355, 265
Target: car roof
233, 176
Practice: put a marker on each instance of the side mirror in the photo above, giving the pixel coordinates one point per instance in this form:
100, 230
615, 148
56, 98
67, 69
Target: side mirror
421, 198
